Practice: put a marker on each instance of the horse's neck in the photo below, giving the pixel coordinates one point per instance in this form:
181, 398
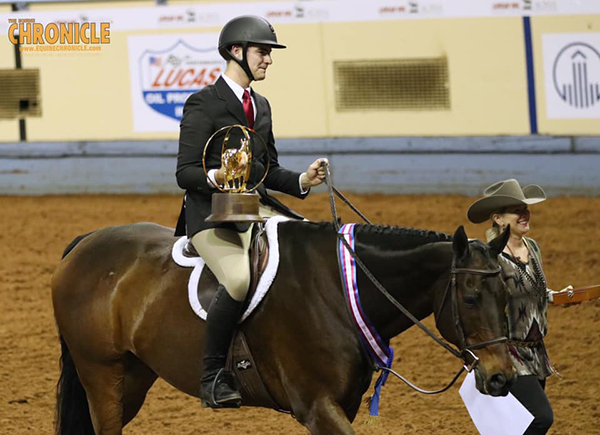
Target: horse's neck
410, 276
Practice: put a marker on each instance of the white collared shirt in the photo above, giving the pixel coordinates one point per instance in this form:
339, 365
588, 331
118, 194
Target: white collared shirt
239, 92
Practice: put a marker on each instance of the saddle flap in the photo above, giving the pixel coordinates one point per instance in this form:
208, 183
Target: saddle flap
241, 362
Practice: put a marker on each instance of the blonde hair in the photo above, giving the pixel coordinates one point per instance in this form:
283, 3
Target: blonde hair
493, 232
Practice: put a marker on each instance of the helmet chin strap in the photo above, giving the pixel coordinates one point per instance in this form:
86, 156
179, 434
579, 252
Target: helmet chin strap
244, 62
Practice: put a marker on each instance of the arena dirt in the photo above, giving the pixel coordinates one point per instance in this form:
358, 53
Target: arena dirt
35, 230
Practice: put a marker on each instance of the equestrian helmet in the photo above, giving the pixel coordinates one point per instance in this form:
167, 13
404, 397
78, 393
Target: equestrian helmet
245, 30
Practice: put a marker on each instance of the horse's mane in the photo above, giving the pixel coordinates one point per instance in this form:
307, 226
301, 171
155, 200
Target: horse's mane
404, 238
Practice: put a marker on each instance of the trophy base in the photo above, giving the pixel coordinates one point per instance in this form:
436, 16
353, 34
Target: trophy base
234, 207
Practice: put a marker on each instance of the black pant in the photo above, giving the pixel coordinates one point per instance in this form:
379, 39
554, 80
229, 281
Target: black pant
529, 390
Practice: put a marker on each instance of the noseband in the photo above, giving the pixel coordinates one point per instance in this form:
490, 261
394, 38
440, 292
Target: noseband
466, 352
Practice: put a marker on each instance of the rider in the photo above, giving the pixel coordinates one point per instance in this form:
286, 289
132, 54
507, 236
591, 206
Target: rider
245, 43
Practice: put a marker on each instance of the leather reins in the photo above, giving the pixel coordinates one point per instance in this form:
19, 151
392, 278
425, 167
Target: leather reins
465, 351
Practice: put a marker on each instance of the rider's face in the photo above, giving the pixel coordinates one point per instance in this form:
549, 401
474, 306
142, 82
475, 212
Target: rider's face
259, 59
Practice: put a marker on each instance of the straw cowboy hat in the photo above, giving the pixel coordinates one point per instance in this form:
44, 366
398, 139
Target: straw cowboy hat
505, 193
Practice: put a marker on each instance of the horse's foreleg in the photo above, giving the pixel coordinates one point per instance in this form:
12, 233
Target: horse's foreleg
103, 384
326, 417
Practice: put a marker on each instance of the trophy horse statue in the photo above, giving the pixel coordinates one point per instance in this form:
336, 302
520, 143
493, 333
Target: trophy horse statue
236, 163
235, 202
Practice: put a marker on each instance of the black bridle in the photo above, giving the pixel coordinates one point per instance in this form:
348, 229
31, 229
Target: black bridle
466, 352
451, 288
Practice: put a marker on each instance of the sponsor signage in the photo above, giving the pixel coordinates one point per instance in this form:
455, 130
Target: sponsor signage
217, 14
572, 75
165, 71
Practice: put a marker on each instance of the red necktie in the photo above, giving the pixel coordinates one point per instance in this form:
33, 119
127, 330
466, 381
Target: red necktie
248, 109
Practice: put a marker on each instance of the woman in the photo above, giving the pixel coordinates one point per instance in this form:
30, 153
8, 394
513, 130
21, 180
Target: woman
503, 204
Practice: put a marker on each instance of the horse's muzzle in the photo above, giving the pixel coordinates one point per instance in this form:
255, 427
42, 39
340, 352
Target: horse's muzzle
495, 385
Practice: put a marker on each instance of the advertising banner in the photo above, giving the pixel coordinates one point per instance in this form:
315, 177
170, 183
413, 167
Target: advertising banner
572, 75
165, 70
322, 11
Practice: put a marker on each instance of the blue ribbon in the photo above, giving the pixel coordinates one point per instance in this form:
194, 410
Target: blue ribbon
374, 406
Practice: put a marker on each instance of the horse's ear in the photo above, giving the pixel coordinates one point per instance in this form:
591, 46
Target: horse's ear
460, 243
497, 245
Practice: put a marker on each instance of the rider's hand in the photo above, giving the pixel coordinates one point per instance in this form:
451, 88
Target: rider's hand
314, 175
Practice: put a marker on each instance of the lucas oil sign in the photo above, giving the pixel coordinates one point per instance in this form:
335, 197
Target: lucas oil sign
165, 71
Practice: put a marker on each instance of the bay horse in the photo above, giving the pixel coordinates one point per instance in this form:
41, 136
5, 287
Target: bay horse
123, 318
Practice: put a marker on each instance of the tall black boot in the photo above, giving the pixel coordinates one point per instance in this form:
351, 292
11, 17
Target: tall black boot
218, 387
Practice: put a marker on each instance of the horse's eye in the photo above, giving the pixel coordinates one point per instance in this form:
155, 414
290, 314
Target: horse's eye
470, 300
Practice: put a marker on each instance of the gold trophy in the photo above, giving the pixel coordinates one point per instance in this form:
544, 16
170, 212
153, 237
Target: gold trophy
235, 203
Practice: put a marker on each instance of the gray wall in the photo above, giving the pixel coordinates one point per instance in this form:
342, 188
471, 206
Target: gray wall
462, 165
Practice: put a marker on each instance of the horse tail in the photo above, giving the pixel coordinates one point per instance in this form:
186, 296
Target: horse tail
72, 410
75, 241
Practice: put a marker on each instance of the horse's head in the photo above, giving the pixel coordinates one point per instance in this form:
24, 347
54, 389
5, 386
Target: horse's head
470, 311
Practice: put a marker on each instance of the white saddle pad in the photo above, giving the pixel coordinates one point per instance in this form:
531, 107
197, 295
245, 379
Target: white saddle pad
198, 264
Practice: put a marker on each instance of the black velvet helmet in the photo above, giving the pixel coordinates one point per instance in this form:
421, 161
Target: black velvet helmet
245, 30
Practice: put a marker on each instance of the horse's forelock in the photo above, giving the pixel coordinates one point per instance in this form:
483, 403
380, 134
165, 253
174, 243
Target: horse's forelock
484, 249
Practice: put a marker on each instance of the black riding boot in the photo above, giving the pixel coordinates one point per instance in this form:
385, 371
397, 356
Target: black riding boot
218, 387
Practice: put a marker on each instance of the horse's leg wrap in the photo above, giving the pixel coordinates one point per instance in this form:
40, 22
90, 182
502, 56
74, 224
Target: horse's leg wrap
218, 387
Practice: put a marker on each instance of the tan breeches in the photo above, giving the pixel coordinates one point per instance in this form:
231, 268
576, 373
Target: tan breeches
226, 255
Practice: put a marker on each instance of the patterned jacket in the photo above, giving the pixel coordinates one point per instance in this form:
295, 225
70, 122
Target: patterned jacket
527, 312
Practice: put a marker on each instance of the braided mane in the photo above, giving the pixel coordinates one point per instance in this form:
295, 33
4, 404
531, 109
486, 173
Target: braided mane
403, 238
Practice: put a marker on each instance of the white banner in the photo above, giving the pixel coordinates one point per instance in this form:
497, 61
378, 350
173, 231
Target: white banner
165, 70
572, 75
217, 14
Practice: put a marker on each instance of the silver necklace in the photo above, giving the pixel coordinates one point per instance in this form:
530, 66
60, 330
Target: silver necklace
537, 281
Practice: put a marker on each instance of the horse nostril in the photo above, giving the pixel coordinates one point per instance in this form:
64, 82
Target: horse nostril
498, 380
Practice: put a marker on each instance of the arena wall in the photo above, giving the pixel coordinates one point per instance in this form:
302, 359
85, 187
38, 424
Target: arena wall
563, 165
494, 104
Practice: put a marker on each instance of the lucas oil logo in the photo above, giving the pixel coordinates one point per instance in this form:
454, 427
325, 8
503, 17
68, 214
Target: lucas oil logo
170, 76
